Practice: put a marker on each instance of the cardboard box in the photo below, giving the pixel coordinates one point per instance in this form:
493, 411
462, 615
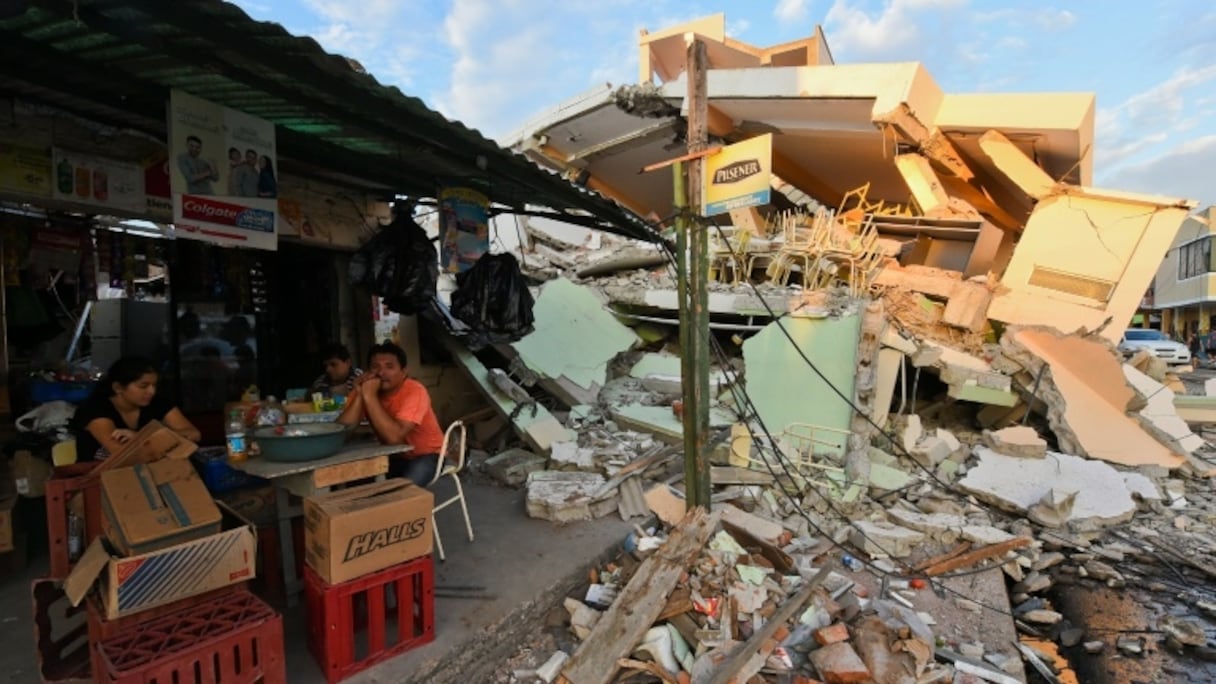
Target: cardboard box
153, 443
30, 474
151, 506
131, 585
6, 523
356, 531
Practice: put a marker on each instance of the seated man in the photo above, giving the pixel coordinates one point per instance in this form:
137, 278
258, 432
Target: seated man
340, 374
399, 411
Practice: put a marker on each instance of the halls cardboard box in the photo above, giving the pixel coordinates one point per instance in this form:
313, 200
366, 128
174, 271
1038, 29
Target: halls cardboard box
130, 585
154, 505
357, 531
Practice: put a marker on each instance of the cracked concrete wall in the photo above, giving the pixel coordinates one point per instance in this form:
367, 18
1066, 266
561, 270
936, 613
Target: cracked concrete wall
1087, 257
1087, 397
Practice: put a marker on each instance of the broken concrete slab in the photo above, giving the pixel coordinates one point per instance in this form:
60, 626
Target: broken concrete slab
531, 421
1055, 508
967, 307
573, 340
940, 526
1019, 440
661, 373
1087, 397
570, 456
884, 538
661, 421
785, 390
1016, 484
1161, 412
566, 497
513, 466
1195, 409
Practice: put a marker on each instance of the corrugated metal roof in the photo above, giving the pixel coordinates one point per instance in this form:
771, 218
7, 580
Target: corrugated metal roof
115, 61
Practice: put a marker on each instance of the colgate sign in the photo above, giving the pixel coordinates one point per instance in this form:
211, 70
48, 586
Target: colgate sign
196, 208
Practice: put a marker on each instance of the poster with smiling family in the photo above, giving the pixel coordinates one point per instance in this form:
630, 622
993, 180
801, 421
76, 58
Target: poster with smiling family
222, 171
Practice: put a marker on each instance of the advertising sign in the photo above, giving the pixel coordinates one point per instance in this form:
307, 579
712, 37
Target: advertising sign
739, 176
464, 228
85, 179
24, 170
222, 174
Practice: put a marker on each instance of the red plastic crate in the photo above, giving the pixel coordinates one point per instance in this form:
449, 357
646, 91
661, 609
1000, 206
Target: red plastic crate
236, 639
333, 627
101, 629
67, 481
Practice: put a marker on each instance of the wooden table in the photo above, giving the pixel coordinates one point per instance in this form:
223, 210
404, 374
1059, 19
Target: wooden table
359, 461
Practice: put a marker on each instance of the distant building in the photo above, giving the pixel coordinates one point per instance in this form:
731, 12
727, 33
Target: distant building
1184, 290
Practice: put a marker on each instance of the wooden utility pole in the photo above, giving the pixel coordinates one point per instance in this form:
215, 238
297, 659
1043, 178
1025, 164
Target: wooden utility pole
692, 245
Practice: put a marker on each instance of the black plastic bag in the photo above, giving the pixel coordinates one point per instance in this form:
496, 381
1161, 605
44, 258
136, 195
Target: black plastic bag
399, 265
492, 298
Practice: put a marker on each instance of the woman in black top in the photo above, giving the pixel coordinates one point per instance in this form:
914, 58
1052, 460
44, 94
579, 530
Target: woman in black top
123, 403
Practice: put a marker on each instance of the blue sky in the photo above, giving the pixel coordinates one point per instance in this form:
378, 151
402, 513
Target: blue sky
494, 63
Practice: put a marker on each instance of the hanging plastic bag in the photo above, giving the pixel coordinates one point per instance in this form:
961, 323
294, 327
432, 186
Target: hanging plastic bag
399, 265
492, 298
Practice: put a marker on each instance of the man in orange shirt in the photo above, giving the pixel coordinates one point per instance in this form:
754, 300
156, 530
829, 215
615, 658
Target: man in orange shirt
399, 411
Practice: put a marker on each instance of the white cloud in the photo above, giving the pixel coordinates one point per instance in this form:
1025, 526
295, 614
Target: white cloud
1152, 116
1183, 171
1054, 19
894, 33
791, 11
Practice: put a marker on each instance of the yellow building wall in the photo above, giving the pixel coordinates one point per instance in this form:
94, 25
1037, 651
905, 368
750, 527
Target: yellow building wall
1091, 241
1168, 291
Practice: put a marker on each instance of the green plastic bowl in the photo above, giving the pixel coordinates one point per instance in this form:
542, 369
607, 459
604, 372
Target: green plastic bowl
300, 442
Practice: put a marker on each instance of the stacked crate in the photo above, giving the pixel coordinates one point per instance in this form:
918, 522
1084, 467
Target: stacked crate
370, 578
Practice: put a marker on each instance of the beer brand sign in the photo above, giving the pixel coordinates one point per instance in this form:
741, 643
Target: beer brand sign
738, 176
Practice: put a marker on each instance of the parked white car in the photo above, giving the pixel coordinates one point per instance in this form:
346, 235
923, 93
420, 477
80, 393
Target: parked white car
1155, 341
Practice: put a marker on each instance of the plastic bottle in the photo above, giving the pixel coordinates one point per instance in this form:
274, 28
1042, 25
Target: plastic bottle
271, 414
75, 537
234, 433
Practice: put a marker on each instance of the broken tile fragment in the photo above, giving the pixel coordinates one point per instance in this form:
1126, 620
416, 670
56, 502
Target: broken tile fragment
1018, 440
839, 664
883, 538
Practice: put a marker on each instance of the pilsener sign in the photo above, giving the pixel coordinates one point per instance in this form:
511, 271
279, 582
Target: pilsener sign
738, 176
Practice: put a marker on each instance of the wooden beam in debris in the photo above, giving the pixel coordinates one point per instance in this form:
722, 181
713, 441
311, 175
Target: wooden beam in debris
640, 603
726, 673
981, 554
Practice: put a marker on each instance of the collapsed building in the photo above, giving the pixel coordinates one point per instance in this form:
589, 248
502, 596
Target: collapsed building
916, 347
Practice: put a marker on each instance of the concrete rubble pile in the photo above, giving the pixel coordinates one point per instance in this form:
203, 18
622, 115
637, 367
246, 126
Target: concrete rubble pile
991, 444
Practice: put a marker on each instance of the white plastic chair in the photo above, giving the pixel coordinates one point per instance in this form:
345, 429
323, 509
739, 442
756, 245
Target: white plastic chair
445, 467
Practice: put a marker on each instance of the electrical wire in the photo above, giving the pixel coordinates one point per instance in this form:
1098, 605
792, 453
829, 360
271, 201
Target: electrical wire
742, 398
783, 461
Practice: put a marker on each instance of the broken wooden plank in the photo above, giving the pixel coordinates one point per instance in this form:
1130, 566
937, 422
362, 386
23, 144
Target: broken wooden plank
639, 604
679, 603
657, 455
957, 551
744, 653
981, 554
648, 667
781, 561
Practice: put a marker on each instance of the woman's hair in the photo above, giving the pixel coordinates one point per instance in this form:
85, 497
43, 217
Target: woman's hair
125, 371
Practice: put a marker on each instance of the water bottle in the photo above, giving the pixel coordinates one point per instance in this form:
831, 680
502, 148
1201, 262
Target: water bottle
75, 537
271, 414
234, 434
